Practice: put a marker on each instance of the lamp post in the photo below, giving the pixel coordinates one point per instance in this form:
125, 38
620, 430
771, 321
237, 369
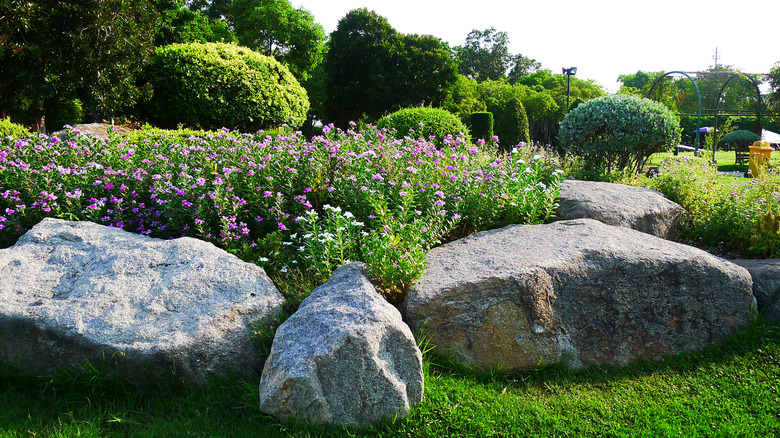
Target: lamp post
569, 72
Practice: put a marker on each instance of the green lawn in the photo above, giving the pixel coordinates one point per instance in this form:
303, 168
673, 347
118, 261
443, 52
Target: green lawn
728, 390
725, 160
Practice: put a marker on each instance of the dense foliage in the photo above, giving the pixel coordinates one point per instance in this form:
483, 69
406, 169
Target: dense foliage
14, 130
275, 28
510, 123
481, 125
618, 132
217, 85
296, 207
371, 69
735, 214
60, 50
486, 56
435, 124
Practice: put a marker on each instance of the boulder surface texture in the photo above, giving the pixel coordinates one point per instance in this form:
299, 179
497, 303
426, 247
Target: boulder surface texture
76, 291
766, 284
638, 208
345, 357
577, 291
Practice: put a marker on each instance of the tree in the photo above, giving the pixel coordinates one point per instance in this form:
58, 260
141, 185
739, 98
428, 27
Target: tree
371, 69
774, 95
275, 28
522, 66
60, 49
214, 9
359, 66
425, 71
485, 55
178, 24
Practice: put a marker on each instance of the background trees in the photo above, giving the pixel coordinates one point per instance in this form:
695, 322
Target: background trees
61, 50
275, 28
371, 69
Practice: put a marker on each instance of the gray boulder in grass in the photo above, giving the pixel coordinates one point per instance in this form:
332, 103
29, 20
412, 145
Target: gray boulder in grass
577, 291
766, 284
344, 358
638, 208
144, 307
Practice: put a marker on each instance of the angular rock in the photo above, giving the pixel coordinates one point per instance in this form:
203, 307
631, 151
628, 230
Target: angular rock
766, 284
576, 291
620, 205
71, 291
345, 357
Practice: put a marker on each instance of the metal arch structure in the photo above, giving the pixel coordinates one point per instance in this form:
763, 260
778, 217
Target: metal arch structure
698, 98
758, 95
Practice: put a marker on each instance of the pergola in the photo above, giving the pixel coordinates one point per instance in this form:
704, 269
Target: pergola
732, 75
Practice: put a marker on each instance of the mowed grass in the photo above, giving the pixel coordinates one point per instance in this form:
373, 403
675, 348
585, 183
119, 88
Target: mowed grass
726, 160
730, 389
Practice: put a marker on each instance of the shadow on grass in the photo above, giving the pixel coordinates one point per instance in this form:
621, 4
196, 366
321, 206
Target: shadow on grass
759, 335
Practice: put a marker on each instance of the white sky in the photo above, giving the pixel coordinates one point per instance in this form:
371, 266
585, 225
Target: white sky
602, 38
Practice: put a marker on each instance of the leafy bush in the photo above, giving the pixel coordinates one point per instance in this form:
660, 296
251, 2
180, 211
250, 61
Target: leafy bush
424, 122
481, 125
63, 112
511, 124
216, 85
618, 132
737, 214
15, 130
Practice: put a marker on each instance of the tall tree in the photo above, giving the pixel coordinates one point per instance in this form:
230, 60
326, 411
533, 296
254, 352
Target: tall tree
774, 96
214, 9
54, 49
522, 66
275, 28
359, 67
425, 71
485, 55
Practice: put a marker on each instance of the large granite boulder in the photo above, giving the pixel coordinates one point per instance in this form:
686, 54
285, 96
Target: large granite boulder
766, 284
620, 205
76, 291
575, 291
345, 357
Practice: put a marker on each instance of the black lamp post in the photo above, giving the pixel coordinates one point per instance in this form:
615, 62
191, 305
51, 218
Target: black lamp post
569, 72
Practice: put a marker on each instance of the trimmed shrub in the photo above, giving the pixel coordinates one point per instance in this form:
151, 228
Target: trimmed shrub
481, 125
511, 124
424, 122
15, 130
216, 85
618, 132
63, 112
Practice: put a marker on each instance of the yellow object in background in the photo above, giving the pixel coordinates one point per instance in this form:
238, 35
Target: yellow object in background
759, 157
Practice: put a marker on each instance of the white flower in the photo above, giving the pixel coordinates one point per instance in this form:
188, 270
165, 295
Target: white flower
263, 259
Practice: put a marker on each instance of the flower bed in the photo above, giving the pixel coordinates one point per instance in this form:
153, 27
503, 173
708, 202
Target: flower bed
736, 214
282, 201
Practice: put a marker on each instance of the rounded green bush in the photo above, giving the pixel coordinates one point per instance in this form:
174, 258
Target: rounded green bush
216, 85
15, 130
618, 132
425, 122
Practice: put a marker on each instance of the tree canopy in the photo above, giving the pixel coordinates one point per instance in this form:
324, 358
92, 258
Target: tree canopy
90, 49
275, 28
371, 69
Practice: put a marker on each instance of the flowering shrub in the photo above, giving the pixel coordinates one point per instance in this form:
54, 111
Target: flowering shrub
288, 204
723, 212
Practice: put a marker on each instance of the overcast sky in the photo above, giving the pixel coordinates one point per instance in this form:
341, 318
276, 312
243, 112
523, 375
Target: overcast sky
602, 38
